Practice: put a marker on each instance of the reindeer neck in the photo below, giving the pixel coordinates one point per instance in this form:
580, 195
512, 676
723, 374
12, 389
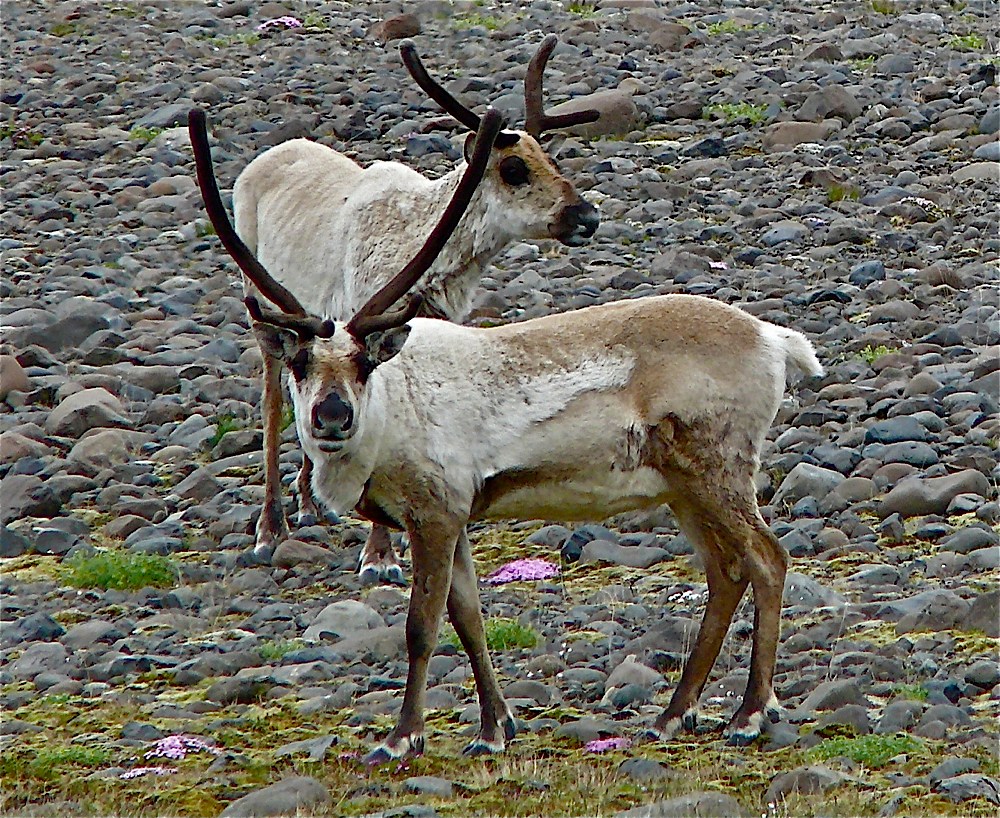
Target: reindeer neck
452, 280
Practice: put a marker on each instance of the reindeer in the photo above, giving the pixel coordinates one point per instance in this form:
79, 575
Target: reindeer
426, 426
329, 230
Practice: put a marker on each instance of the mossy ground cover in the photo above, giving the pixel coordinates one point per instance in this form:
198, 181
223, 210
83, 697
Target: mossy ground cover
539, 775
80, 739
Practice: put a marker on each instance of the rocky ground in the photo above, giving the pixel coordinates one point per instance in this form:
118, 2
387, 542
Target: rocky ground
831, 166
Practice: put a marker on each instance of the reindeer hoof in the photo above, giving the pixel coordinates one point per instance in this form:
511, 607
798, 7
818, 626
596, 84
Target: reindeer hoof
306, 519
743, 731
689, 721
380, 573
481, 747
390, 750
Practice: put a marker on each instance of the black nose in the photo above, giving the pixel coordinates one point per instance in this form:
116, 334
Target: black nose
584, 218
332, 416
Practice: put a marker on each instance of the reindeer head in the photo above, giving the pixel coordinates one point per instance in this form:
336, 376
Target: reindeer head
331, 363
529, 192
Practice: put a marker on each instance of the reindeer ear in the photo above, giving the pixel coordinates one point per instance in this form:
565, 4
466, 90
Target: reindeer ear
382, 346
470, 145
278, 342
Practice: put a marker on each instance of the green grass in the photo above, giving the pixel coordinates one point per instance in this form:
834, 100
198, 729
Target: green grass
274, 650
912, 691
144, 134
487, 21
226, 40
967, 42
224, 424
733, 111
585, 10
315, 21
287, 416
123, 572
21, 137
872, 751
838, 193
501, 634
47, 762
732, 27
884, 7
64, 29
871, 354
862, 63
202, 229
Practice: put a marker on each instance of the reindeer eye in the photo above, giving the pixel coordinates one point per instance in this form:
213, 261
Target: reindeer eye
299, 364
513, 171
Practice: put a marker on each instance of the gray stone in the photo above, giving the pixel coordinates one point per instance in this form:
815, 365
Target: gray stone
990, 152
894, 430
830, 101
784, 231
899, 717
951, 767
25, 495
780, 136
12, 544
970, 539
973, 785
984, 674
806, 480
984, 615
803, 591
693, 805
295, 552
315, 747
290, 796
83, 410
618, 112
429, 785
915, 496
13, 378
644, 770
635, 556
938, 611
804, 781
833, 694
344, 618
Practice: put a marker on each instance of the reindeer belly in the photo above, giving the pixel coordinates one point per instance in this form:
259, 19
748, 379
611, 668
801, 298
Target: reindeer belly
556, 494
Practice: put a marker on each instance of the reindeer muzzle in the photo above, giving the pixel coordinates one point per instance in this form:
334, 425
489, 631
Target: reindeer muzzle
576, 224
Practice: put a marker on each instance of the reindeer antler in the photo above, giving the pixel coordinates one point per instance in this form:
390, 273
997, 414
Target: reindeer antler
536, 121
273, 291
372, 316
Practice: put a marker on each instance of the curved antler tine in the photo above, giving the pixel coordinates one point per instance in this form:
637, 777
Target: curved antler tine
244, 258
534, 111
360, 325
433, 89
536, 121
306, 327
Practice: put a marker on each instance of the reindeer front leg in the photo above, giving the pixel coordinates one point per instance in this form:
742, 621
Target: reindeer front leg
432, 548
496, 723
271, 525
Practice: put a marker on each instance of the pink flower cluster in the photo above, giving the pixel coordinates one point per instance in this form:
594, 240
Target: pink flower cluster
602, 745
280, 23
141, 771
523, 570
177, 747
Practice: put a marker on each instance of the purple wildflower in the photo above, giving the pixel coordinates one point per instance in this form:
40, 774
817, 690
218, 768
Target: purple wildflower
136, 772
176, 747
523, 570
282, 23
602, 745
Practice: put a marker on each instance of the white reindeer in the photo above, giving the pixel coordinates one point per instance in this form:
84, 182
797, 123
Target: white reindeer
580, 415
331, 232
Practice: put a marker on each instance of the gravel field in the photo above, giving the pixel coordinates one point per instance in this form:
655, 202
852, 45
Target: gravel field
828, 166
